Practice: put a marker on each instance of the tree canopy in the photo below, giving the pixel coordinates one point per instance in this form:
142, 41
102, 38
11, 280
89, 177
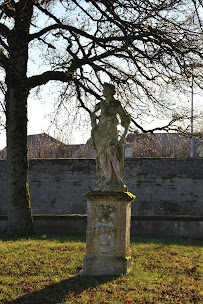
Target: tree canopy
142, 46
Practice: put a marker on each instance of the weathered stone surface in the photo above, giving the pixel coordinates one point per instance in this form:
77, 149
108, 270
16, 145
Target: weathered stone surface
108, 233
186, 227
108, 142
162, 186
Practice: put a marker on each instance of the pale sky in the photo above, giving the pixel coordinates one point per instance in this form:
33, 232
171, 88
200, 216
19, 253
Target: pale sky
38, 109
38, 122
79, 132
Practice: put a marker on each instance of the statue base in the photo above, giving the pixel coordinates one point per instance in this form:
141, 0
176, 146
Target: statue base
112, 187
108, 233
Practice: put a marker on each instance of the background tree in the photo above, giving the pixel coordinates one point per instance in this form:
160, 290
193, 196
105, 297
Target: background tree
2, 106
140, 45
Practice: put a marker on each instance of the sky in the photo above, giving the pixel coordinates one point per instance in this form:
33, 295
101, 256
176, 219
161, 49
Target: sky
38, 110
79, 132
39, 122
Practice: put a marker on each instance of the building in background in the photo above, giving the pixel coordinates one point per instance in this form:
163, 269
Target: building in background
45, 146
137, 145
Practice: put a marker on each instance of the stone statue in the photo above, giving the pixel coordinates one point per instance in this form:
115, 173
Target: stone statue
107, 141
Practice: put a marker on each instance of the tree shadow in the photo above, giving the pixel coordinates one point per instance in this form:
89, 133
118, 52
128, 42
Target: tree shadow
167, 241
59, 292
49, 237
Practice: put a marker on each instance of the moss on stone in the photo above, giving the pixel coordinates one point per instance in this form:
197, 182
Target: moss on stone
118, 195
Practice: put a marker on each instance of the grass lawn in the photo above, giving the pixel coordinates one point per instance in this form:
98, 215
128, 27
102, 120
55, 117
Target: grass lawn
44, 269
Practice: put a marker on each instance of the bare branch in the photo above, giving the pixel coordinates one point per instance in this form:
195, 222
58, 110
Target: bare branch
46, 12
5, 46
163, 128
4, 30
77, 83
74, 30
3, 59
42, 79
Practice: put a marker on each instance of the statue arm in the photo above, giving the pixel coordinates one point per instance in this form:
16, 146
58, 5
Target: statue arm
94, 123
93, 114
125, 121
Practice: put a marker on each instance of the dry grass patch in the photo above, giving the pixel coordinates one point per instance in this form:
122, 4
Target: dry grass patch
45, 270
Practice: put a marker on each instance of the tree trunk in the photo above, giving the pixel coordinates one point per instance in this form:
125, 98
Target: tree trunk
19, 207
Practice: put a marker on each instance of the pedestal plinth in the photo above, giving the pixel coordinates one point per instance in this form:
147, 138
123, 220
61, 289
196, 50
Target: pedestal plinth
108, 233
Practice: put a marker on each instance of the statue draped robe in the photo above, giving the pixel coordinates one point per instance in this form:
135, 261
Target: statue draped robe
109, 147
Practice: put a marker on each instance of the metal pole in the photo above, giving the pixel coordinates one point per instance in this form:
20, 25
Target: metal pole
192, 139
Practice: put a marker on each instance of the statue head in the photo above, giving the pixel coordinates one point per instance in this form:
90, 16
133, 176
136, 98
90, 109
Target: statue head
109, 89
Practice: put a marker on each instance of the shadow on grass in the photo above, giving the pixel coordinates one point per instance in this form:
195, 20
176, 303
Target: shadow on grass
167, 241
40, 237
59, 292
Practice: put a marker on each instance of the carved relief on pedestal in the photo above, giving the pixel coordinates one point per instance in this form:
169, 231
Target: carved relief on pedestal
105, 230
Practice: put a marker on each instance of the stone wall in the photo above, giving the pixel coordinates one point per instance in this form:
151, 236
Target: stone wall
162, 186
162, 226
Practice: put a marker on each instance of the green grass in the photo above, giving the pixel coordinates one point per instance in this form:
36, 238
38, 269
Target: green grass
44, 269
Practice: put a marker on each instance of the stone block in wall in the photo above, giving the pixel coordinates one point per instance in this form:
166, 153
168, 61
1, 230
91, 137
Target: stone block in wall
162, 186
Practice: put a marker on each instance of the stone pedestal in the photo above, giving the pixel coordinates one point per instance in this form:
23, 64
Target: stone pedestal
108, 233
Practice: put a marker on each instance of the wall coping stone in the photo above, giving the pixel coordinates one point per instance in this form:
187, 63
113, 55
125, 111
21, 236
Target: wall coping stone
120, 195
67, 217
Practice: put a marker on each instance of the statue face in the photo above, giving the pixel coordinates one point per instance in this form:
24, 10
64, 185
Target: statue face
108, 90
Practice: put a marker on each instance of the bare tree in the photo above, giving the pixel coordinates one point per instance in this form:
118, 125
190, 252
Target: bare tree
2, 105
163, 145
140, 45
